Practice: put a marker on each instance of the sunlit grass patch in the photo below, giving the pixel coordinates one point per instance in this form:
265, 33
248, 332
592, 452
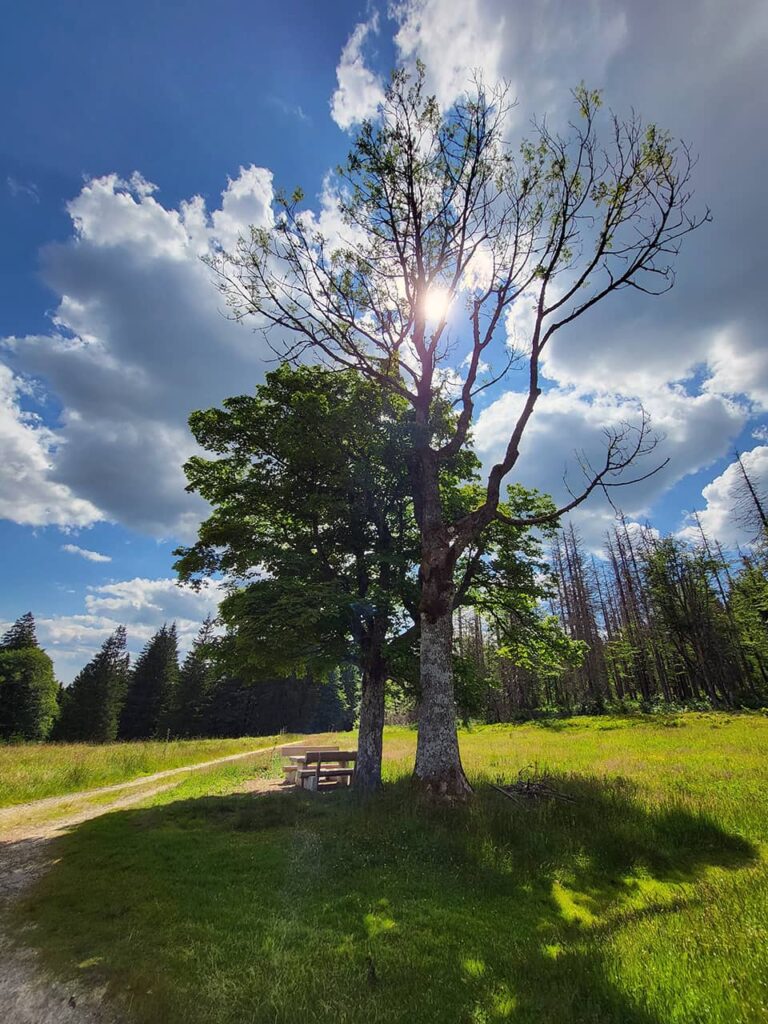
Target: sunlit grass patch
32, 771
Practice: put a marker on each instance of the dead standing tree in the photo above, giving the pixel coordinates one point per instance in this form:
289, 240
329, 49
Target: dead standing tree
436, 210
750, 507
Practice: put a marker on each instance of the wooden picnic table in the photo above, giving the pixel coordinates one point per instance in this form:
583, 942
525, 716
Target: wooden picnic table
324, 766
294, 753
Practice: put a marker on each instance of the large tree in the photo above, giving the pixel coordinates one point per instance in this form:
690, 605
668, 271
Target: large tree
312, 525
92, 704
437, 209
191, 699
151, 687
28, 688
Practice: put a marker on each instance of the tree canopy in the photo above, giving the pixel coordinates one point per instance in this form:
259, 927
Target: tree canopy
313, 525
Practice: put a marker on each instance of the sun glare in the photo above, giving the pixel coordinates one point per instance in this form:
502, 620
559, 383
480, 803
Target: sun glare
437, 302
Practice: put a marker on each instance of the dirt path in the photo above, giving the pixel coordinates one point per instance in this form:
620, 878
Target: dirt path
26, 830
15, 810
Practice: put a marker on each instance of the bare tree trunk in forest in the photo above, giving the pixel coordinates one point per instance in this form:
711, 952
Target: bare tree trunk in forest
752, 510
579, 617
635, 623
718, 563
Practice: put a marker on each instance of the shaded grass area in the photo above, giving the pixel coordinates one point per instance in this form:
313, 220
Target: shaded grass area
33, 771
641, 902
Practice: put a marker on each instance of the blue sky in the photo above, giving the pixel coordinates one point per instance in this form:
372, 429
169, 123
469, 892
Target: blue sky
185, 92
110, 331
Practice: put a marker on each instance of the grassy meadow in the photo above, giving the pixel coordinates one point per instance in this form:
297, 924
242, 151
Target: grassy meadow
32, 771
642, 901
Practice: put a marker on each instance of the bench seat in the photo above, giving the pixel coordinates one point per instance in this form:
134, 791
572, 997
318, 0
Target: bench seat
325, 766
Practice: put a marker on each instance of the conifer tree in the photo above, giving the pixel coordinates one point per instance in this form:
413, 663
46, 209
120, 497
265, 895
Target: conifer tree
261, 706
748, 602
21, 635
190, 705
28, 689
331, 711
151, 686
91, 706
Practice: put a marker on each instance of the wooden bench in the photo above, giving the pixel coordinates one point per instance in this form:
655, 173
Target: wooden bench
328, 766
295, 751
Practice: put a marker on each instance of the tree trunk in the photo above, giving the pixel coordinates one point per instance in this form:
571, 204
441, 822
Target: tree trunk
438, 767
438, 764
369, 735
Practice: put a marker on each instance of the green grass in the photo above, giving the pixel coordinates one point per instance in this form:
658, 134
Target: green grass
31, 771
643, 902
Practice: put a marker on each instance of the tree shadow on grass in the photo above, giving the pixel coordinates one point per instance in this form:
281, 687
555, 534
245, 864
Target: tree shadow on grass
333, 908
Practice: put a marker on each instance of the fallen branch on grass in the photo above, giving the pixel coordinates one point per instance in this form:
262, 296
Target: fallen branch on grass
526, 790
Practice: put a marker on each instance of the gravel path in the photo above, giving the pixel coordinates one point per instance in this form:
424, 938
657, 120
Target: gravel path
27, 996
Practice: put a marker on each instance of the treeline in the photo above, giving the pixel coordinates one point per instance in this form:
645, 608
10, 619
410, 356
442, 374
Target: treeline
657, 621
654, 622
110, 699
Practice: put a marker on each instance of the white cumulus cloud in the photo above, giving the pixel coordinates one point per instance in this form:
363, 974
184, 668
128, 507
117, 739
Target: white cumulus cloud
454, 39
359, 90
140, 341
567, 427
28, 493
718, 517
